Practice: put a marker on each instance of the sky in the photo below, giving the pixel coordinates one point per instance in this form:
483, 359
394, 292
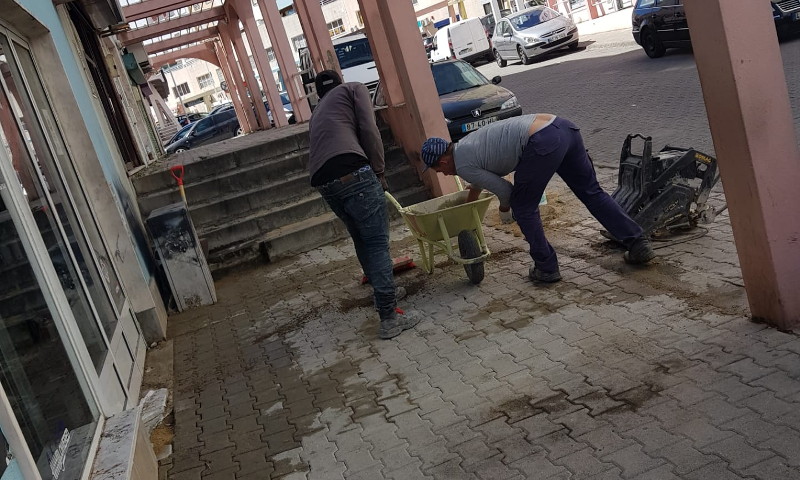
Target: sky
284, 3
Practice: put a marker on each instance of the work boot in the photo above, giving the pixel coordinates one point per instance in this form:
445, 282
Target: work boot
546, 277
640, 252
394, 326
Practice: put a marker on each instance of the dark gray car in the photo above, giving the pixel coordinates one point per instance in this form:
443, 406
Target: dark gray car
213, 128
531, 33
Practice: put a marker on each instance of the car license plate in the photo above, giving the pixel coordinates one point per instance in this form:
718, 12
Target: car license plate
557, 37
468, 127
796, 16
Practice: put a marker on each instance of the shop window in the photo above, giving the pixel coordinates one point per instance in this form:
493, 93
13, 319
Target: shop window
182, 89
205, 81
336, 27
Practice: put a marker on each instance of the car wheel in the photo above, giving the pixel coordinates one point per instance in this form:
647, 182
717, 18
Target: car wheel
497, 58
652, 44
523, 57
573, 46
238, 131
179, 150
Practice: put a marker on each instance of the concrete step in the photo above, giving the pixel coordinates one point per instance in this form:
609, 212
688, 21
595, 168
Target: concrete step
218, 159
228, 230
283, 242
248, 178
241, 204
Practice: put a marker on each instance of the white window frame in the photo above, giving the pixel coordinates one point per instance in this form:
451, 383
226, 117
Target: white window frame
205, 80
335, 27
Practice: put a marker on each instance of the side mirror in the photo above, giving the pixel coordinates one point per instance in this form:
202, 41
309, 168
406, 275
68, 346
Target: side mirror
496, 79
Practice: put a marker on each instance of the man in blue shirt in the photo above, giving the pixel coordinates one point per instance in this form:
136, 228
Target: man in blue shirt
535, 147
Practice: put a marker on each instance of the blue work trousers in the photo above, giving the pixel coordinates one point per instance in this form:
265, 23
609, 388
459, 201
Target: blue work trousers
558, 148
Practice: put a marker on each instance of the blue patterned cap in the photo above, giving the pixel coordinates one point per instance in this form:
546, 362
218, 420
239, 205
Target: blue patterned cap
432, 149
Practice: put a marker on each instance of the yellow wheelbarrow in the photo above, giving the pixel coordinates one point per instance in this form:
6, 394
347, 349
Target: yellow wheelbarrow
436, 222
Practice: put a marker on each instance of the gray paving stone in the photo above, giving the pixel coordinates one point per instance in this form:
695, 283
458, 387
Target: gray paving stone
737, 452
633, 461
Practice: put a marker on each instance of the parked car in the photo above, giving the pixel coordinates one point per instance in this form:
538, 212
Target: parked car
179, 134
465, 40
488, 24
469, 101
356, 60
288, 110
213, 128
427, 42
532, 33
220, 108
661, 24
190, 117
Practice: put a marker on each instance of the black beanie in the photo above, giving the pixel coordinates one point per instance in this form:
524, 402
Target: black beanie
326, 81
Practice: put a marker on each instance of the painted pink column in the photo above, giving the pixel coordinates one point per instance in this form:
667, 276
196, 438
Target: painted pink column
244, 10
232, 87
418, 115
747, 101
315, 31
283, 54
250, 124
247, 70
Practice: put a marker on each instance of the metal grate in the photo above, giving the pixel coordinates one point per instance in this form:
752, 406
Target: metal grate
788, 5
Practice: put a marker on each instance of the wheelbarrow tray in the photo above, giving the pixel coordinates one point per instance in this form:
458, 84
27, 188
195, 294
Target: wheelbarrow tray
423, 218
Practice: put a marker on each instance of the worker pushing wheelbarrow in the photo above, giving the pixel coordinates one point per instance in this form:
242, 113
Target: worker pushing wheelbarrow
434, 223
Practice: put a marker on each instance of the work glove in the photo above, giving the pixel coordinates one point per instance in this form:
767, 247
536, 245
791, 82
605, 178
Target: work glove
506, 217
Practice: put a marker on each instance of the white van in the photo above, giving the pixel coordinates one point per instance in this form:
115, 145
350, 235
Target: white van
465, 40
356, 61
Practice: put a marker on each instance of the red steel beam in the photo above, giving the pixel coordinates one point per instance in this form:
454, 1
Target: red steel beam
163, 28
153, 8
181, 40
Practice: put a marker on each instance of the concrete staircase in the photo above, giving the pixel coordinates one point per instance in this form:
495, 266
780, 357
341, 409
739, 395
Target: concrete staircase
250, 199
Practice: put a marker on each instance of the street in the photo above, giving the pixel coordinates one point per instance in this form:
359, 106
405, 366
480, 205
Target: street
611, 88
617, 371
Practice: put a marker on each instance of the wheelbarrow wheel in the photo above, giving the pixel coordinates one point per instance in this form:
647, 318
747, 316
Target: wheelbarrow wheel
469, 248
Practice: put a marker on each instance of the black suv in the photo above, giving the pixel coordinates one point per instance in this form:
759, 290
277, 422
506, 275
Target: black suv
661, 24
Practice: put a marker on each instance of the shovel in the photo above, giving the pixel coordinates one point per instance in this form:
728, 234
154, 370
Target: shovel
177, 174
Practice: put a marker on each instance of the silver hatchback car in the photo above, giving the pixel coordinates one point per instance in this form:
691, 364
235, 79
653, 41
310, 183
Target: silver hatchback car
530, 33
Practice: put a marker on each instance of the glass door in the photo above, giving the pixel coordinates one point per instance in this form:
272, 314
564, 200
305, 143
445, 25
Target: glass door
55, 197
51, 402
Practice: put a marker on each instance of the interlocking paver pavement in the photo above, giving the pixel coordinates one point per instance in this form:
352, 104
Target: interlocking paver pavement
615, 372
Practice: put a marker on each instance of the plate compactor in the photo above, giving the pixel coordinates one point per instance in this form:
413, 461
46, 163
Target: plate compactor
665, 193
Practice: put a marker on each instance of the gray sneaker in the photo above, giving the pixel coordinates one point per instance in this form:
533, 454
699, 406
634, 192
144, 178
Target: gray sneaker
640, 252
392, 327
545, 277
399, 294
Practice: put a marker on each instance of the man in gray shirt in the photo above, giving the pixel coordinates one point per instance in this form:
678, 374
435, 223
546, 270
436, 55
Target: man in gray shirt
346, 166
535, 147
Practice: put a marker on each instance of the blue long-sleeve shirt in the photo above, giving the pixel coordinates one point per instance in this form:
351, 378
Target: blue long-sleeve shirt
486, 155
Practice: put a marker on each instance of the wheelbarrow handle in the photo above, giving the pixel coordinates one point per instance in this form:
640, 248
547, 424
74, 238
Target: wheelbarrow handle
393, 201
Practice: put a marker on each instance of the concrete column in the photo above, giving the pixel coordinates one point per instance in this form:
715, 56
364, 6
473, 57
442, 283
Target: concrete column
247, 70
233, 90
316, 34
244, 9
285, 58
247, 118
747, 101
392, 25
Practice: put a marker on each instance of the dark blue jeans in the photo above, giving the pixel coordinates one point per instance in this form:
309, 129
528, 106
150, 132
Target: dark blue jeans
558, 148
361, 205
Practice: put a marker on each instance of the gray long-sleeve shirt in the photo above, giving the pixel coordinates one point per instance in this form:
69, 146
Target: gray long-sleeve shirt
486, 155
344, 122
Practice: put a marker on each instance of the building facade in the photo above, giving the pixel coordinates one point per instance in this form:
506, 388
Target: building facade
78, 301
